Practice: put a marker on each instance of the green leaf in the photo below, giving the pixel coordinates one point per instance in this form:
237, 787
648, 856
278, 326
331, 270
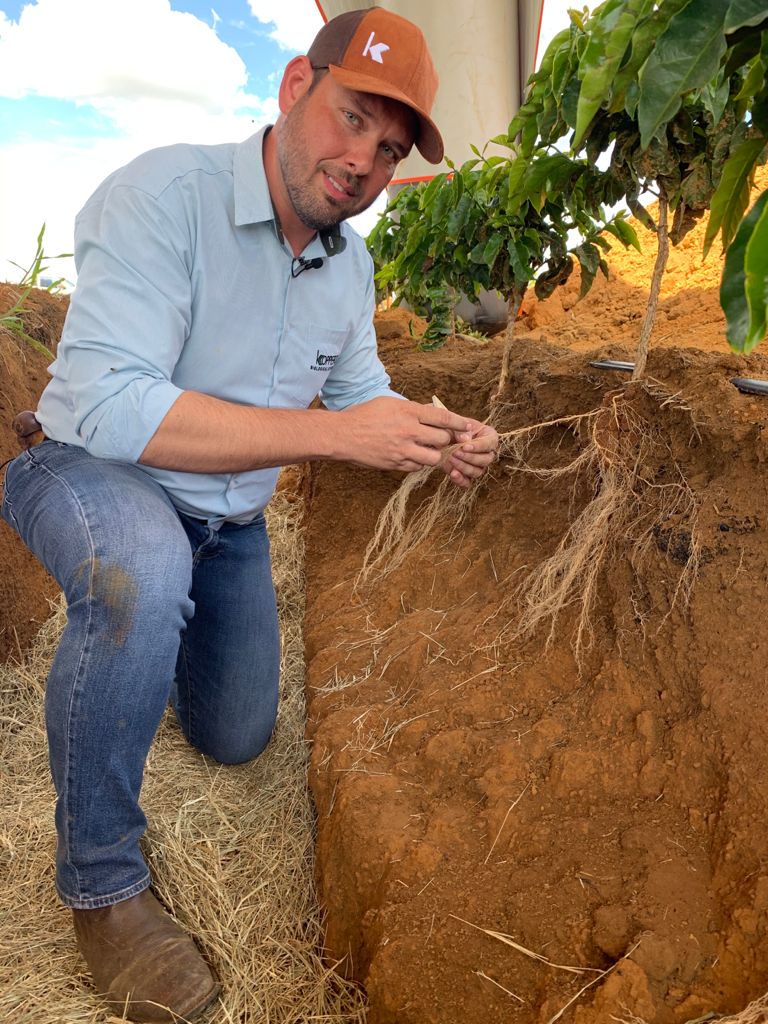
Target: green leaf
759, 111
570, 102
546, 176
414, 239
625, 233
643, 42
492, 249
756, 274
715, 96
640, 213
741, 53
743, 13
753, 81
733, 296
477, 254
685, 57
515, 195
731, 196
609, 38
519, 258
588, 256
428, 194
563, 68
442, 202
457, 218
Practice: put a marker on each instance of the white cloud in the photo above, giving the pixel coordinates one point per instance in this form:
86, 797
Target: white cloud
296, 22
158, 76
89, 50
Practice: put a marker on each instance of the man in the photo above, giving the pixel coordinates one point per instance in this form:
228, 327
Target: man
217, 295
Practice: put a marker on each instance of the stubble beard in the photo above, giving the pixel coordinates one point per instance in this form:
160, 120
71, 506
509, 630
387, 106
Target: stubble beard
313, 206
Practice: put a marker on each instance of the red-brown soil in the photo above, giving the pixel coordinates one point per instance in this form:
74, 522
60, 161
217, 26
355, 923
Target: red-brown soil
25, 588
466, 782
689, 310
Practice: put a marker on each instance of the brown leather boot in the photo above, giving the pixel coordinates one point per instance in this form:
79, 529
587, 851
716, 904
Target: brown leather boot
143, 963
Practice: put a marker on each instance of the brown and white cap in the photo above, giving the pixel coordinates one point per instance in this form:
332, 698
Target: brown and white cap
377, 51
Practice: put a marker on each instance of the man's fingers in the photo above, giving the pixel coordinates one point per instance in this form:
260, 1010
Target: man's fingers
485, 439
468, 469
432, 437
434, 416
473, 458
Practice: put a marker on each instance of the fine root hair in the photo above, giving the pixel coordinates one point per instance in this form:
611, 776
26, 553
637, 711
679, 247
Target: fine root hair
398, 533
755, 1013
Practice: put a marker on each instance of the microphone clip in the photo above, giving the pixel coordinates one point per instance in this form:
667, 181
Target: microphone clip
299, 265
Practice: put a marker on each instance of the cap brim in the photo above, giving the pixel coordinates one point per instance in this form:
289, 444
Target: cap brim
429, 142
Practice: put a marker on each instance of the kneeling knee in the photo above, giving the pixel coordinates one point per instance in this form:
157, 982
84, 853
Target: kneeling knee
236, 750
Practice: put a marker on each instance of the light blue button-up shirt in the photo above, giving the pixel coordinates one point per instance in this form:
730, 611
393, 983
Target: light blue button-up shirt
184, 283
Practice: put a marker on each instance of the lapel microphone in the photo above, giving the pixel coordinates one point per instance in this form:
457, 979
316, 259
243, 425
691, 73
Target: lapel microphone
299, 265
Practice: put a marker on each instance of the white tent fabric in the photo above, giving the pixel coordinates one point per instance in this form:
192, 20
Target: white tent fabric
484, 52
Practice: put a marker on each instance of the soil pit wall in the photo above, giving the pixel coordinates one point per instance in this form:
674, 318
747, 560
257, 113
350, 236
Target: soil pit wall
26, 590
467, 782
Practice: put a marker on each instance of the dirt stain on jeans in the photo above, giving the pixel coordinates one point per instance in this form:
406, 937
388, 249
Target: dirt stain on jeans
117, 591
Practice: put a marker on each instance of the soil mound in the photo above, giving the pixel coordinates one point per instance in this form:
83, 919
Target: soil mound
689, 312
25, 587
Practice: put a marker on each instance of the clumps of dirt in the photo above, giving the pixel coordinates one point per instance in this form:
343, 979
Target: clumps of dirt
472, 781
25, 588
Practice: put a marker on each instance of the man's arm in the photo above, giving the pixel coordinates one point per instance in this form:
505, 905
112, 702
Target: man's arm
201, 434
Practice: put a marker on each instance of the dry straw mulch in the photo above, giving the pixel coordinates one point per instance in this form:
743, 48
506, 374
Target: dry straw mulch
231, 850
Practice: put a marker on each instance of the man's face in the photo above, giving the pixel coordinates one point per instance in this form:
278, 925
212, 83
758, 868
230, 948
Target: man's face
338, 149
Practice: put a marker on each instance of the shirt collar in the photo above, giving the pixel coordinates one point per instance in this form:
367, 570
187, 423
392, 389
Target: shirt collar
253, 204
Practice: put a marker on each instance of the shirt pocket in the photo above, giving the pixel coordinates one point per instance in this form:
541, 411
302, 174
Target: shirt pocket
316, 355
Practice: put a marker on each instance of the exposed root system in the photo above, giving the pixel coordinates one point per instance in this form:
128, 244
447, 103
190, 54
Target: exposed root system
639, 493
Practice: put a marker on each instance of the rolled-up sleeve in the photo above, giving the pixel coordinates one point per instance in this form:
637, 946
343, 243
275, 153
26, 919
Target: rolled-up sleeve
358, 374
128, 321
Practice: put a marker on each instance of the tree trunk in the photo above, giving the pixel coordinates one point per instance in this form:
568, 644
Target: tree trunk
662, 254
513, 308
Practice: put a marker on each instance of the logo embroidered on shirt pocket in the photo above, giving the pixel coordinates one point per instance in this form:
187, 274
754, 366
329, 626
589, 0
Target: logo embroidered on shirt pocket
302, 370
323, 361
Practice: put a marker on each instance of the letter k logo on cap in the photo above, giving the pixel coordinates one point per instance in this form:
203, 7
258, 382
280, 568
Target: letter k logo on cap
376, 50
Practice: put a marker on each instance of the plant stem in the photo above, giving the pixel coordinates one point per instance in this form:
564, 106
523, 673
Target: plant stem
662, 254
513, 308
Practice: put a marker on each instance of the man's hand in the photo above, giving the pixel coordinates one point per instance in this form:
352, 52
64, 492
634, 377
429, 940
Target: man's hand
388, 433
468, 462
472, 459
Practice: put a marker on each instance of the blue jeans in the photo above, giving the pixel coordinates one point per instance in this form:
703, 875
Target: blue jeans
158, 605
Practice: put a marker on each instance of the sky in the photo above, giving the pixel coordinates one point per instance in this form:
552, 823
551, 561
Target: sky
86, 85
